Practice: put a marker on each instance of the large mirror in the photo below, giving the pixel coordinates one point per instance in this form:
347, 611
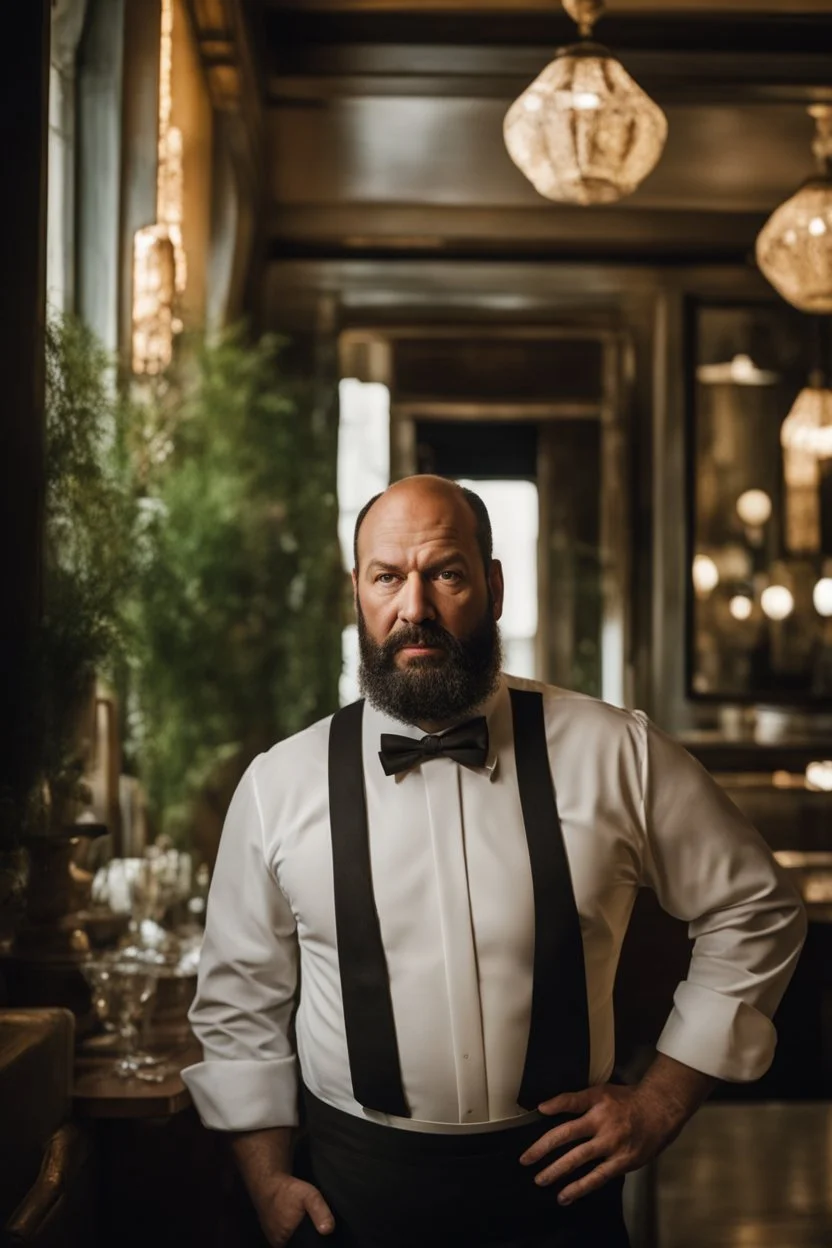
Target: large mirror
761, 495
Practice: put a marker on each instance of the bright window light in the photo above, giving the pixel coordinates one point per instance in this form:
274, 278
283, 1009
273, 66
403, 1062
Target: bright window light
363, 470
515, 515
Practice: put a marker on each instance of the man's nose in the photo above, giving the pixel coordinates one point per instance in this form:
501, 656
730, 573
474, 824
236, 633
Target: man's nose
415, 604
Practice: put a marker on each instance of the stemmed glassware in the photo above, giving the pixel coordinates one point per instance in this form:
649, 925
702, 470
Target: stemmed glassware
124, 982
122, 989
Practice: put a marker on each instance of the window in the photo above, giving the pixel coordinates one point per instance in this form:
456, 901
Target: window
363, 470
514, 511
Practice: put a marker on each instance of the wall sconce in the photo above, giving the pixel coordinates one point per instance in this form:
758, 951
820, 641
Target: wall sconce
159, 264
154, 288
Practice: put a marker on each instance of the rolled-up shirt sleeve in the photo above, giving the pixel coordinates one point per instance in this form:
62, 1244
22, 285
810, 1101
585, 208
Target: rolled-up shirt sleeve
710, 867
247, 981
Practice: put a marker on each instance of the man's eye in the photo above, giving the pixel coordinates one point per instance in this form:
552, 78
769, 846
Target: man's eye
449, 575
385, 578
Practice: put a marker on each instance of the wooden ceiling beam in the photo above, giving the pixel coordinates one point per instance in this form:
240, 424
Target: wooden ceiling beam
328, 73
222, 38
791, 8
552, 231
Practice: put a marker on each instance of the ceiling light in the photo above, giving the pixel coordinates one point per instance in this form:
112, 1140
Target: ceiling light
705, 575
808, 426
777, 602
739, 371
584, 132
794, 247
822, 596
741, 607
754, 508
819, 775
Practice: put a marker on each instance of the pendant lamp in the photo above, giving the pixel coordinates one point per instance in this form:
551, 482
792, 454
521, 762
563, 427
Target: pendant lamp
584, 132
794, 247
808, 426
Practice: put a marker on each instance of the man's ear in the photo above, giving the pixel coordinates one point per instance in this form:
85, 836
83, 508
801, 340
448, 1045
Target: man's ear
497, 585
355, 590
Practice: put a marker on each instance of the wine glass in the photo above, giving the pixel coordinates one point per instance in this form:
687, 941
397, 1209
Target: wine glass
121, 991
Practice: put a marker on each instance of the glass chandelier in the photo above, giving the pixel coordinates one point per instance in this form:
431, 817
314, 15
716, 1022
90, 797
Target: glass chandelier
794, 247
584, 132
808, 426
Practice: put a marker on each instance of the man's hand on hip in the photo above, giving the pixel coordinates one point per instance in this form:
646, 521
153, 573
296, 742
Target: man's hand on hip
618, 1128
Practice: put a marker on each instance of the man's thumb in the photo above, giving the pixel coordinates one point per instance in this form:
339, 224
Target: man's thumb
319, 1211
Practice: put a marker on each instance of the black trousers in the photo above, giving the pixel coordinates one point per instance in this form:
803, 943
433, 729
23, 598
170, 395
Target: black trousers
403, 1189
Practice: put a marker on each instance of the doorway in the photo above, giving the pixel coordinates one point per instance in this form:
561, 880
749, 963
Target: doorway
533, 420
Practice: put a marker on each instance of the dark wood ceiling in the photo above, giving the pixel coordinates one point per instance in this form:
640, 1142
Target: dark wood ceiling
384, 127
754, 7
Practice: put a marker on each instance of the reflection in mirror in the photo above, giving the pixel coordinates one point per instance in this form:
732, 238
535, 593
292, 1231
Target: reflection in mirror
761, 558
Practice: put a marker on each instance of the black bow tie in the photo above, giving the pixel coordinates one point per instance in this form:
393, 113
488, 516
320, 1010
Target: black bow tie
467, 744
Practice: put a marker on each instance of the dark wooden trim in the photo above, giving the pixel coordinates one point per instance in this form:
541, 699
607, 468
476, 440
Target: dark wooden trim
232, 77
382, 232
24, 98
706, 32
482, 7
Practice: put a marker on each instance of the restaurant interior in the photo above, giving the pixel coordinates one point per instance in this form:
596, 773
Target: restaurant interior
262, 258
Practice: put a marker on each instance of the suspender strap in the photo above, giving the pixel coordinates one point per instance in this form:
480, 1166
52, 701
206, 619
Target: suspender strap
365, 985
557, 1058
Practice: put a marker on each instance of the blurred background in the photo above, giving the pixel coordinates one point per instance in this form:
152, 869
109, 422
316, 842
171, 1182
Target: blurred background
261, 258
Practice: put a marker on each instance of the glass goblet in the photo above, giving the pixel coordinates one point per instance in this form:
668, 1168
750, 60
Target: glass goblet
122, 991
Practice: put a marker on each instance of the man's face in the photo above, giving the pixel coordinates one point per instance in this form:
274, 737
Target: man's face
427, 609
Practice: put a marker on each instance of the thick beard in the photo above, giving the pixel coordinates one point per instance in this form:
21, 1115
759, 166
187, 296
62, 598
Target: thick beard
431, 690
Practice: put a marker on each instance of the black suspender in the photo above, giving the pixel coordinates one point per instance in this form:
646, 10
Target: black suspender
557, 1058
365, 985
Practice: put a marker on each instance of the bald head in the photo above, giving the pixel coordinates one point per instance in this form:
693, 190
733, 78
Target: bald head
413, 499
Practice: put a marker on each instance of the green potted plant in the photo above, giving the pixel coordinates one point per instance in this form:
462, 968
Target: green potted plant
89, 569
239, 611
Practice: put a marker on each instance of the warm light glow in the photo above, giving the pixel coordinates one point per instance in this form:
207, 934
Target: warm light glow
739, 371
584, 132
822, 596
159, 263
819, 775
754, 508
705, 575
801, 505
777, 602
153, 291
741, 607
585, 100
794, 247
808, 426
363, 471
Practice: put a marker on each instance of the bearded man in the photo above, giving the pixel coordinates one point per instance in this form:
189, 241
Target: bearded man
439, 877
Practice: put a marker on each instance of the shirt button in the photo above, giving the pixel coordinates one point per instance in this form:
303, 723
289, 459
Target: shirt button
468, 1113
465, 1057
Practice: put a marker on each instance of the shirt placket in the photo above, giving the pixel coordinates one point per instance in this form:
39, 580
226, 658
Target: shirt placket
448, 843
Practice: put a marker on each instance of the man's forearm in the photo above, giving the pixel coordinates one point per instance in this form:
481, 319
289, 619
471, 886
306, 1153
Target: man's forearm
262, 1157
676, 1090
281, 1200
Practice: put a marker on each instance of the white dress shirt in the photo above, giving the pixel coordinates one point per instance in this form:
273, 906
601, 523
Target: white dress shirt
453, 889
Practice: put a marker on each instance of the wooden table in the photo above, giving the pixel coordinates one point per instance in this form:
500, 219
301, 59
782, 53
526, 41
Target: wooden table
99, 1092
164, 1179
